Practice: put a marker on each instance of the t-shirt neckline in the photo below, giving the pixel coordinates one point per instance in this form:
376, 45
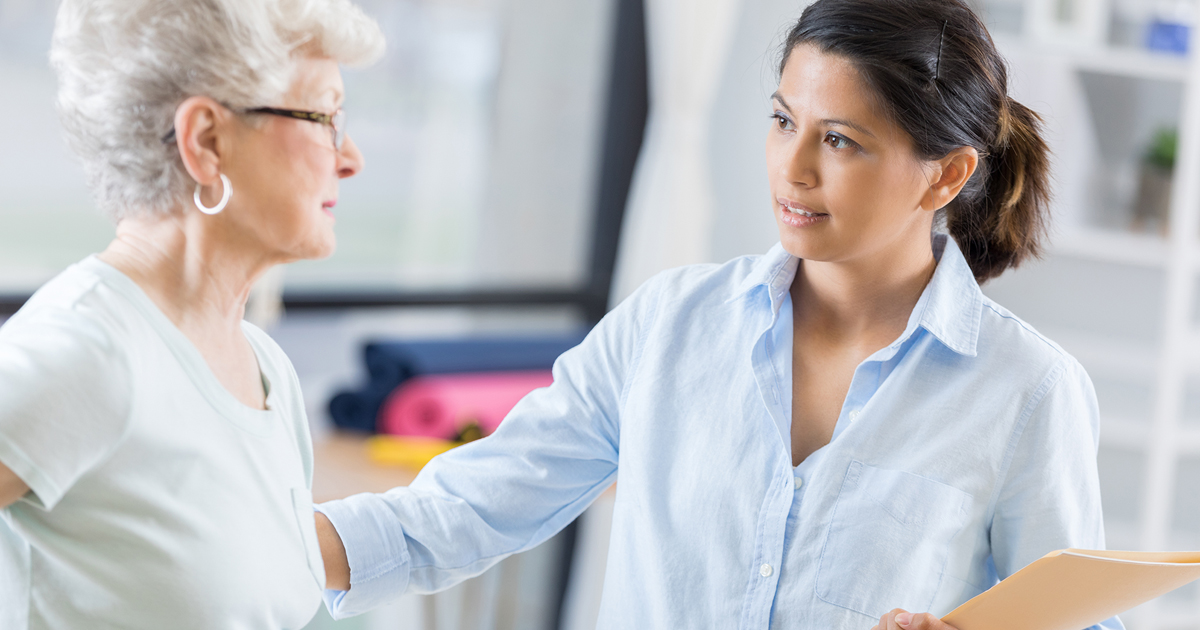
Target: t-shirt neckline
256, 421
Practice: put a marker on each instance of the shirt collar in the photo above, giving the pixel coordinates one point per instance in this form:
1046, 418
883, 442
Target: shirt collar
949, 308
774, 270
952, 304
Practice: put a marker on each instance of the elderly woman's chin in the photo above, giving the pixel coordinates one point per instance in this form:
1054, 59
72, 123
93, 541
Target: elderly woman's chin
283, 228
316, 243
323, 248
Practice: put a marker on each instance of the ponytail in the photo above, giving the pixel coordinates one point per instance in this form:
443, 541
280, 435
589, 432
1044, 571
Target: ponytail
938, 74
1006, 224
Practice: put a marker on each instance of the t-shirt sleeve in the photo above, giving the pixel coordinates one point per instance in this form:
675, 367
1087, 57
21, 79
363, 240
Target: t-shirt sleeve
65, 392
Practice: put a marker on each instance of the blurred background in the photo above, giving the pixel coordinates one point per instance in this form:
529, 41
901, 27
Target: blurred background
530, 162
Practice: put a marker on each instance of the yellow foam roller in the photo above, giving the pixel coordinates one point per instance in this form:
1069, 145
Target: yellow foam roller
407, 451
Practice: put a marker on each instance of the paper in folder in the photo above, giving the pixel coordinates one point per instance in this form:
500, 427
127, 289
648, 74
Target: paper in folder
1073, 589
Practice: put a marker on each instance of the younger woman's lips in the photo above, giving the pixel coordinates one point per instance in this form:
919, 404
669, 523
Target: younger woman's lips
802, 218
797, 207
801, 221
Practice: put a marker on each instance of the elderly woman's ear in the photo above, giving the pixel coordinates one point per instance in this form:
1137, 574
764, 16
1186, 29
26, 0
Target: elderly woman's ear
201, 133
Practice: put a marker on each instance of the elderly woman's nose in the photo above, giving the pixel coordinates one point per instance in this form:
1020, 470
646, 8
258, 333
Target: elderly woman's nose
350, 159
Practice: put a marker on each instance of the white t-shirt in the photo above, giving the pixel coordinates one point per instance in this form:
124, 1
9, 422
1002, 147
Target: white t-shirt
157, 499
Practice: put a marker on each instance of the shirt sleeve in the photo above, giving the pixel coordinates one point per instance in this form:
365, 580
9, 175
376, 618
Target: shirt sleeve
1050, 498
64, 399
472, 506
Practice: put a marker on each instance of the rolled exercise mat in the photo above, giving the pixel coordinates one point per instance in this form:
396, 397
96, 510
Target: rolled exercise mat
440, 406
390, 363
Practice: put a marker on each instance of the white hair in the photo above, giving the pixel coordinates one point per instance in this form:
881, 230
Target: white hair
124, 66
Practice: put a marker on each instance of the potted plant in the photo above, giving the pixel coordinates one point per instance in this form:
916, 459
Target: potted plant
1152, 205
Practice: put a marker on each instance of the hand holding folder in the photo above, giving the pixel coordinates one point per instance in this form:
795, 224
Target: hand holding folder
1072, 589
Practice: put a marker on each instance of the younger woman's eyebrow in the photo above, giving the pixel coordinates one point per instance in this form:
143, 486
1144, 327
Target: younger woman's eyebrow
829, 122
777, 97
846, 123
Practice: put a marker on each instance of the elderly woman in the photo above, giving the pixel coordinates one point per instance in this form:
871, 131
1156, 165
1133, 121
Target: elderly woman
155, 462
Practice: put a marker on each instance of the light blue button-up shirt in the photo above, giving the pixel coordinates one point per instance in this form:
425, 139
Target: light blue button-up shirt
965, 450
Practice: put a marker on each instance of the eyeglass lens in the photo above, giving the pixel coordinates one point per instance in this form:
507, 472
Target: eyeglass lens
339, 129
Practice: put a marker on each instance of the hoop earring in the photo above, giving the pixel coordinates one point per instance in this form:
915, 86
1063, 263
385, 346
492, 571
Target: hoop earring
228, 192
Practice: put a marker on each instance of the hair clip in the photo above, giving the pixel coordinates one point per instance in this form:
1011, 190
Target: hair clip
937, 69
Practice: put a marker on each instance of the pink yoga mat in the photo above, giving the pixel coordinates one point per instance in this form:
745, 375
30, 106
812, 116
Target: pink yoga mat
440, 405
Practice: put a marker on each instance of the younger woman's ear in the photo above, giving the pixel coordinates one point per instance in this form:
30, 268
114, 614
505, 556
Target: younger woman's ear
949, 175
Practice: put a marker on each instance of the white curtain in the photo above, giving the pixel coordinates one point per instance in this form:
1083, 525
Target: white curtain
670, 214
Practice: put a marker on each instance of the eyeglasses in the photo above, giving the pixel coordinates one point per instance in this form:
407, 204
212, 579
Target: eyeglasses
336, 122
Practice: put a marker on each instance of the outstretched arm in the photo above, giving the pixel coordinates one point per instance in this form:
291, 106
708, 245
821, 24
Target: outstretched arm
476, 504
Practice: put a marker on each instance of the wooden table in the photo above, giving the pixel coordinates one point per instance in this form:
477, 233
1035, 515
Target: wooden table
341, 468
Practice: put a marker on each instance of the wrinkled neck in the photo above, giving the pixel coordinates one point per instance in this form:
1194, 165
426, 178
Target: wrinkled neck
196, 274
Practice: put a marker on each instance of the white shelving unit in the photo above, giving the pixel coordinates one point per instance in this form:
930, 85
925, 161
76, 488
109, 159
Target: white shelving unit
1147, 365
1089, 243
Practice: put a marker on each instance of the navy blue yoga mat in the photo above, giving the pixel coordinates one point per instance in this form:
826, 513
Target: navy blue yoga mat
390, 363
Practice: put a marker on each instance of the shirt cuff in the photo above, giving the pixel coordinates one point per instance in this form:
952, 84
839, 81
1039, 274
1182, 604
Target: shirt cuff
376, 550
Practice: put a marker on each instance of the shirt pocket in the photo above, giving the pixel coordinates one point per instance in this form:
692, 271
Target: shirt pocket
303, 507
889, 540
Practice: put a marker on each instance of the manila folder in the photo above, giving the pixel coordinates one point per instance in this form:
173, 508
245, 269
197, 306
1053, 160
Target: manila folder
1072, 589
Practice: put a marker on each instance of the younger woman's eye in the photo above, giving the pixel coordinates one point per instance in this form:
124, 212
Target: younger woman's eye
839, 141
782, 121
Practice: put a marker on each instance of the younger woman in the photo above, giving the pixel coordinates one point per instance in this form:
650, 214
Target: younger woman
822, 437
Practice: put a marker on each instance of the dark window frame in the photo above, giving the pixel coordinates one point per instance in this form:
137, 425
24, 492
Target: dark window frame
627, 110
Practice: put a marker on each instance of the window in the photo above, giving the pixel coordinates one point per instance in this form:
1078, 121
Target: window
482, 130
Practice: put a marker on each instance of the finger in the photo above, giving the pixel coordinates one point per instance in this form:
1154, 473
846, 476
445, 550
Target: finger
923, 621
894, 618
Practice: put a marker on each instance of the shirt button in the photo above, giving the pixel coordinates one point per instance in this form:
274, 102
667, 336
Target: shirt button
799, 482
853, 415
765, 570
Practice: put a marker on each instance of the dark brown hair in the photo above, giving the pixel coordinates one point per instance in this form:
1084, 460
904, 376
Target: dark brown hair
937, 74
